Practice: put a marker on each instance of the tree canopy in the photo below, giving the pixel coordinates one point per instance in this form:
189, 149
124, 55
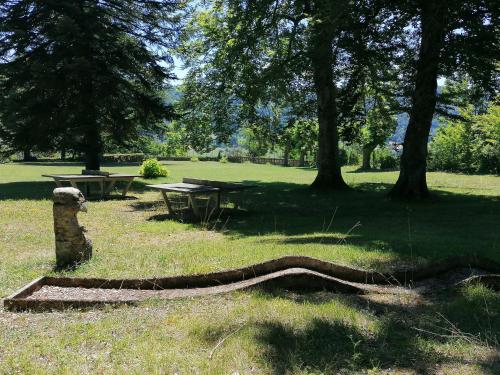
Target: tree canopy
75, 73
302, 75
265, 49
452, 37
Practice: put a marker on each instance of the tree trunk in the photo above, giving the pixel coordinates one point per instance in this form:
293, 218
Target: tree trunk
302, 159
63, 153
286, 157
367, 156
92, 161
412, 182
27, 156
329, 174
93, 149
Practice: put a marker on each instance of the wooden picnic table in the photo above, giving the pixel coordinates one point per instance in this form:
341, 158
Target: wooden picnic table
195, 187
106, 182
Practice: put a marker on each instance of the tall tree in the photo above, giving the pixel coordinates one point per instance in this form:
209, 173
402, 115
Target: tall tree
454, 36
378, 123
373, 118
258, 48
207, 114
79, 71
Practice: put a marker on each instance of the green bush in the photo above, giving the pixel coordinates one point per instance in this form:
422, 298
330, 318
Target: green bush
151, 168
223, 159
5, 156
349, 155
194, 159
470, 146
389, 162
386, 159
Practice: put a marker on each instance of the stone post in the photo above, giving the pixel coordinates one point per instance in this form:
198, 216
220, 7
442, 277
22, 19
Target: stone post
72, 247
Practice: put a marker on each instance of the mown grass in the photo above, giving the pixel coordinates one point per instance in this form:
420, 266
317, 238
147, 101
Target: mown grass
279, 333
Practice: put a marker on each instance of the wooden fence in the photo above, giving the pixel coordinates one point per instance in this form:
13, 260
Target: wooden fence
242, 159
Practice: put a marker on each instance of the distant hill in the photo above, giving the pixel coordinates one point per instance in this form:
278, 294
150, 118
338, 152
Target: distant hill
174, 95
399, 134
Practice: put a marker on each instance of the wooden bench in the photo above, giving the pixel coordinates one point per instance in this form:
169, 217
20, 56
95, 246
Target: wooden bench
105, 182
193, 188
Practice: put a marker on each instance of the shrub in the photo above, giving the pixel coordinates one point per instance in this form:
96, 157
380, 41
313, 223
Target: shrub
223, 159
388, 162
151, 168
194, 159
470, 146
5, 156
386, 159
349, 155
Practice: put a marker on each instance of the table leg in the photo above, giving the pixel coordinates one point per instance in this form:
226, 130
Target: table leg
101, 188
58, 183
110, 187
196, 211
209, 210
73, 183
125, 191
167, 202
217, 201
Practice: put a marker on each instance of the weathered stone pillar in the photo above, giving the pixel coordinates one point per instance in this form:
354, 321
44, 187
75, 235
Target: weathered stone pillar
71, 245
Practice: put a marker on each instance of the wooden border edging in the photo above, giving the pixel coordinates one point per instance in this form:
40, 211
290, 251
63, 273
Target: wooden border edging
299, 272
11, 301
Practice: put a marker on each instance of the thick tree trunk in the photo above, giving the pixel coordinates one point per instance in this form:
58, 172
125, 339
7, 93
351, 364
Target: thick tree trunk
93, 149
92, 161
27, 156
329, 174
63, 153
412, 182
92, 146
367, 156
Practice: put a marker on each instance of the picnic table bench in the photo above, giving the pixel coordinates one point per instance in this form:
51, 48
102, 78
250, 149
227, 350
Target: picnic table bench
105, 182
193, 187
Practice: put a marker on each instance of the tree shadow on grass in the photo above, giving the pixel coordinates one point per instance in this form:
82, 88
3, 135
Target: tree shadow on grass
32, 190
449, 224
335, 347
372, 170
293, 214
52, 163
187, 215
40, 190
403, 338
380, 336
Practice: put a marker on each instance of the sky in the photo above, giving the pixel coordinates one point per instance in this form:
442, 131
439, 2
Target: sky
178, 71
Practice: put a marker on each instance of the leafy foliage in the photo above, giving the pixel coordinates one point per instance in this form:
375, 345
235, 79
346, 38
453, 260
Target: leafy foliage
263, 53
375, 115
78, 73
470, 145
151, 168
386, 159
452, 37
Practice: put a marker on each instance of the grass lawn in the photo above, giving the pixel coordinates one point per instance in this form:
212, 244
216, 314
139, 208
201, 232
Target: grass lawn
260, 332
